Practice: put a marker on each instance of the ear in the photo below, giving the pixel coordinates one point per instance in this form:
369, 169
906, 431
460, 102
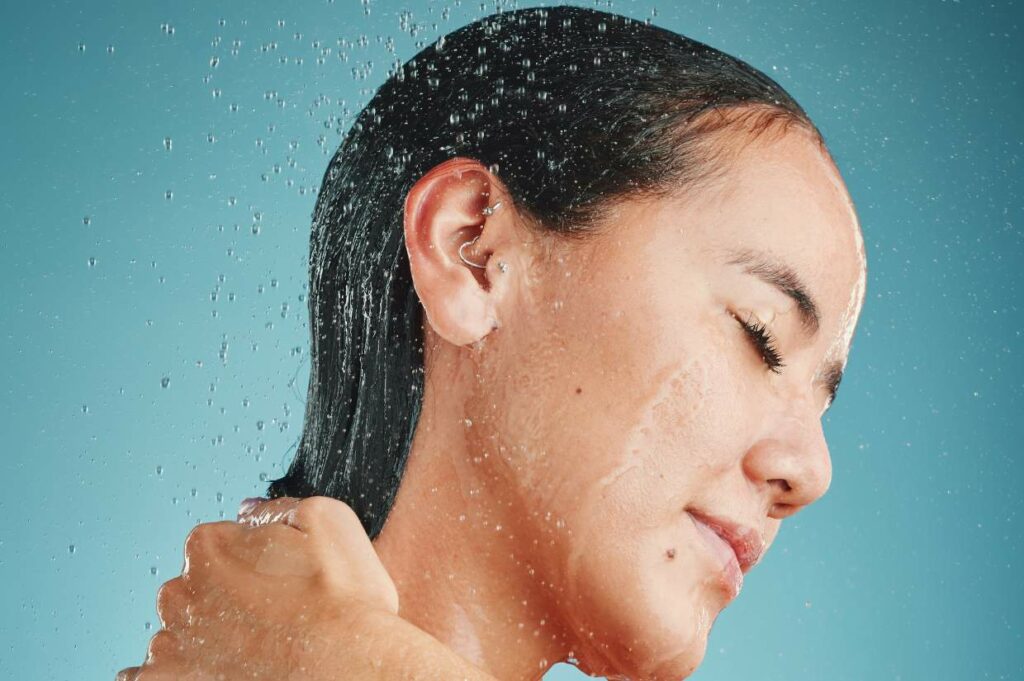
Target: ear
443, 211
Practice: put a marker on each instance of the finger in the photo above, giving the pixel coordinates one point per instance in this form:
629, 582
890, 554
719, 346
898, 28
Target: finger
164, 648
172, 603
273, 549
127, 674
205, 543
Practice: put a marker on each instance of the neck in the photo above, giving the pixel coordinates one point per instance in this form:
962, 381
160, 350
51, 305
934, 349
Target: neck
453, 547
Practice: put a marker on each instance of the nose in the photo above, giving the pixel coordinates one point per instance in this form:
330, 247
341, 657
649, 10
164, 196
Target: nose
791, 462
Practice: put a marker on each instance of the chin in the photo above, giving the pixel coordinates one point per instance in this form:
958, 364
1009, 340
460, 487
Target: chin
655, 629
637, 667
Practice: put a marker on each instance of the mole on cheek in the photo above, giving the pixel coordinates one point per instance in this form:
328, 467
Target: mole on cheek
579, 390
670, 554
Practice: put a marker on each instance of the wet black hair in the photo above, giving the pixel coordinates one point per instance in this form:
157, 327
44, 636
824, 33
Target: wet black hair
572, 108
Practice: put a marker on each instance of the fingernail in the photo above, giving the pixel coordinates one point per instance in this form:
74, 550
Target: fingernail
249, 504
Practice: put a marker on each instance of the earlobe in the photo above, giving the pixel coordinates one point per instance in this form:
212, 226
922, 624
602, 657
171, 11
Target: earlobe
448, 241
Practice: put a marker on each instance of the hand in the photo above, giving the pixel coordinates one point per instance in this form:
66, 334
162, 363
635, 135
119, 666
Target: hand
279, 594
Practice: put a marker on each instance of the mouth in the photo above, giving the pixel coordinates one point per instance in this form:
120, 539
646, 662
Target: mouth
737, 547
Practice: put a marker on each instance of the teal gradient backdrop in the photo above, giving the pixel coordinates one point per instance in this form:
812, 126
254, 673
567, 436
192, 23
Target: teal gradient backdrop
160, 164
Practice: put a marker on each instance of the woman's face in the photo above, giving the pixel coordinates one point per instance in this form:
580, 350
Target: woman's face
623, 398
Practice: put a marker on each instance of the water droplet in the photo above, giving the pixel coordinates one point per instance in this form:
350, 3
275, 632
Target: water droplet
159, 470
71, 549
153, 570
92, 262
86, 220
213, 62
168, 143
165, 381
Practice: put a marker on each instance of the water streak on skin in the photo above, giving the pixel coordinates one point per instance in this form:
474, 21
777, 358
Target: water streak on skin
853, 306
463, 637
667, 383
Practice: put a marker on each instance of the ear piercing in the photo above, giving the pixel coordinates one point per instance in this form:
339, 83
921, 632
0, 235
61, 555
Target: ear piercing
502, 265
471, 264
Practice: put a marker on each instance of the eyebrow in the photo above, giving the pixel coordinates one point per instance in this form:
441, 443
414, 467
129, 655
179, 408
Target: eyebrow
784, 278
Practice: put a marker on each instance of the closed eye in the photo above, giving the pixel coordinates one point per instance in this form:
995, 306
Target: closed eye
764, 342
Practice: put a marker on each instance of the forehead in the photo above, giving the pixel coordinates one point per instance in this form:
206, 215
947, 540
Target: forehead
784, 197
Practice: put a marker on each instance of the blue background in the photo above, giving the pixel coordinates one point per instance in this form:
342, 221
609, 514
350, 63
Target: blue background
126, 265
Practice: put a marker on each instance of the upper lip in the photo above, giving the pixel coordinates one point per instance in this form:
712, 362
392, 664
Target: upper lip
746, 542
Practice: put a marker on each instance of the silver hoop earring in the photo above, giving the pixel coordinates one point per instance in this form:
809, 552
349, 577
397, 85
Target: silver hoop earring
502, 265
461, 255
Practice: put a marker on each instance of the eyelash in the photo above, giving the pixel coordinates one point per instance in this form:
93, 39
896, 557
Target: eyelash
764, 342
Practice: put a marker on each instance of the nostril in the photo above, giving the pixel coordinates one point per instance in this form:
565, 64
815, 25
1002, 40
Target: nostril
781, 483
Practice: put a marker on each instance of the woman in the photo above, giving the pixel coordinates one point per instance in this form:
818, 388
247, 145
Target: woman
585, 288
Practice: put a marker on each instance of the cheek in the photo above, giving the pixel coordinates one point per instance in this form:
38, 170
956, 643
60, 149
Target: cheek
634, 571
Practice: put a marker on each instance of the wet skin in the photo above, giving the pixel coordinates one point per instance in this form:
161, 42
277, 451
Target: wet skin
580, 405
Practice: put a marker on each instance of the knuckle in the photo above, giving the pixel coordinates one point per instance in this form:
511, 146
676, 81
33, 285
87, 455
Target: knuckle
200, 540
316, 509
162, 646
204, 540
170, 599
311, 510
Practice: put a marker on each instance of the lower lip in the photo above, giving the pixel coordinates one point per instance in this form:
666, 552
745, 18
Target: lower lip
730, 573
